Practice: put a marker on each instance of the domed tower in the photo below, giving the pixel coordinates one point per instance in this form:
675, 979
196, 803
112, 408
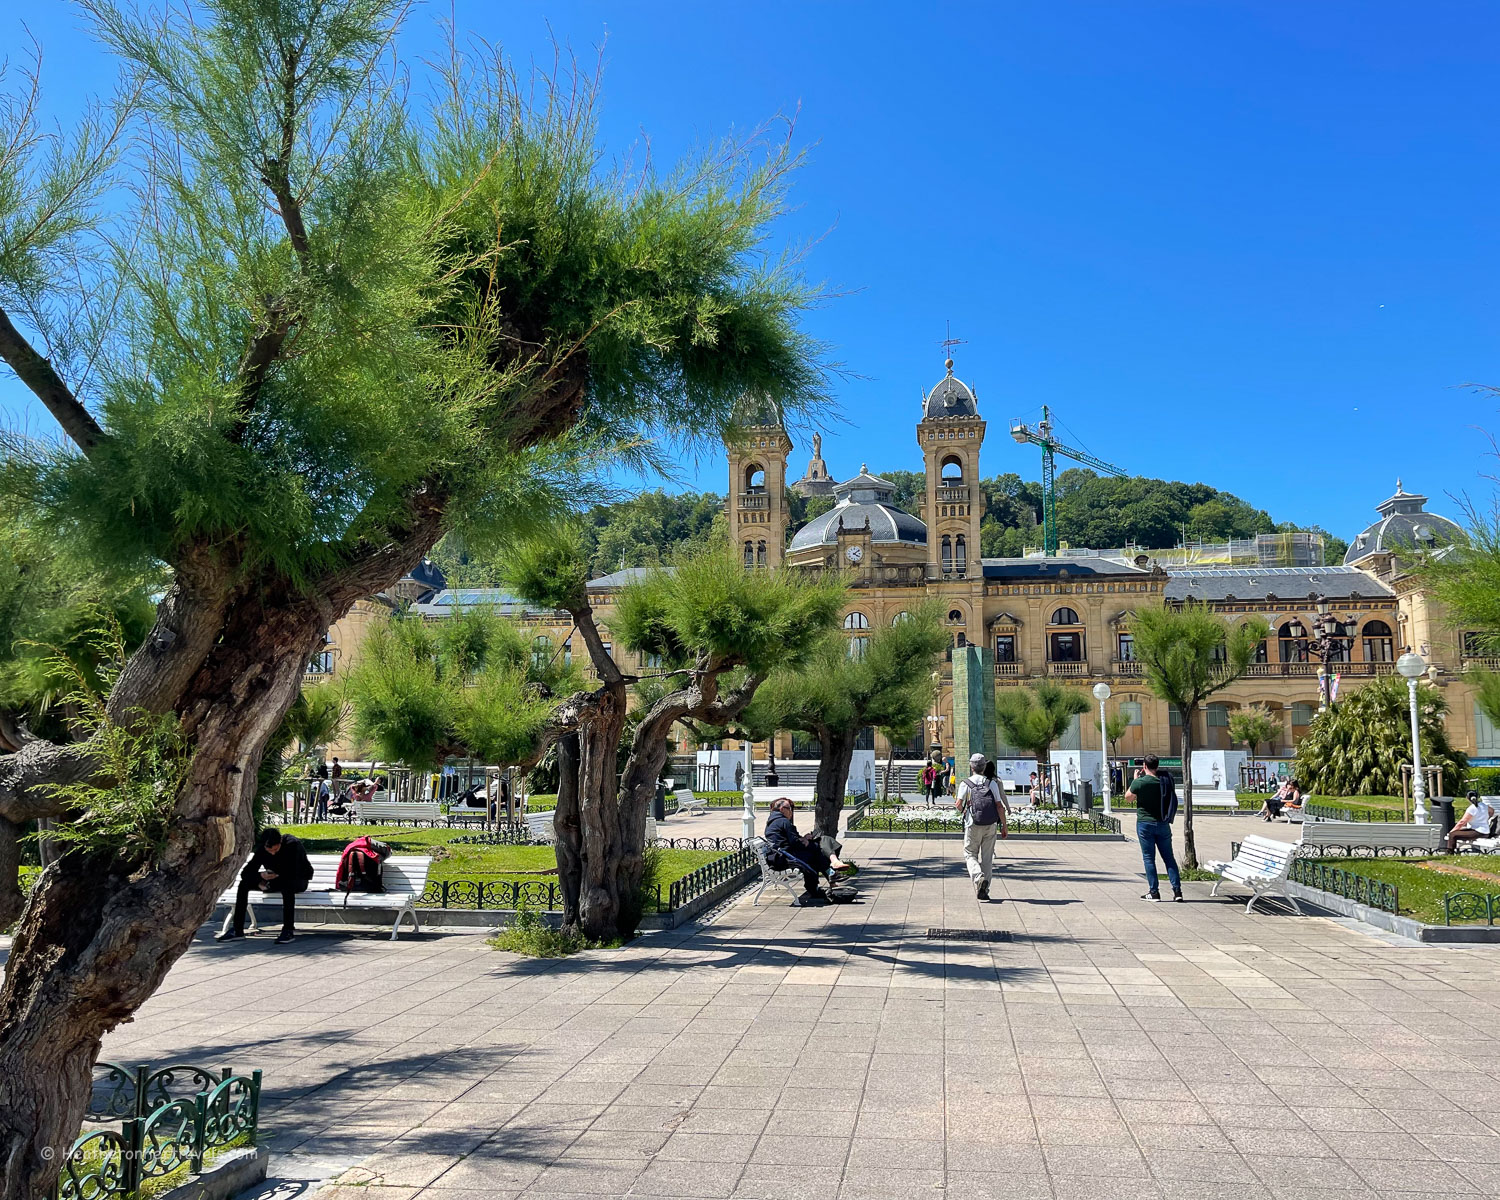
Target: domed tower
756, 507
951, 434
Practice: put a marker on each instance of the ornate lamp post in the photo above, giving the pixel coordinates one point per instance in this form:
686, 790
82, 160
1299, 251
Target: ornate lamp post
1411, 667
1327, 646
747, 819
1101, 694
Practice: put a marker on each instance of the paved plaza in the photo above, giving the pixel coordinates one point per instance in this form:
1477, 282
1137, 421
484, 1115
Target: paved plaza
1111, 1048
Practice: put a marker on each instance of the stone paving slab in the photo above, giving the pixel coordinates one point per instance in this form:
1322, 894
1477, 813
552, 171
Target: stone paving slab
1111, 1049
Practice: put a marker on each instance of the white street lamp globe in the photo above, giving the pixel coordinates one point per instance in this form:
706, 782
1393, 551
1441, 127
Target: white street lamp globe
1410, 666
1101, 692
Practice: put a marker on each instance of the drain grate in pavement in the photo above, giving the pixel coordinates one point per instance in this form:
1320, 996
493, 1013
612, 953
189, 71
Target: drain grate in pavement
968, 935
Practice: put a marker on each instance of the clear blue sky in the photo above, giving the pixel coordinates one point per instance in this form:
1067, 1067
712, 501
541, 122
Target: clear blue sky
1248, 244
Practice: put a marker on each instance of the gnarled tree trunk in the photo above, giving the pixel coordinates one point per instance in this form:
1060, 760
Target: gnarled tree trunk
837, 748
567, 828
103, 927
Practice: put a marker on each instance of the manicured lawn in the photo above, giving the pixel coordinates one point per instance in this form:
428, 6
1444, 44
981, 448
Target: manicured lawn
450, 861
1420, 889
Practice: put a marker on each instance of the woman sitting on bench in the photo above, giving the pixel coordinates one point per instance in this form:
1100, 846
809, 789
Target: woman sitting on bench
1271, 809
788, 849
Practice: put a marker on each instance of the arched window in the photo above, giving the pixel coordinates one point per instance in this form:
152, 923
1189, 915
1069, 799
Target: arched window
755, 477
955, 617
1293, 639
961, 640
1378, 644
1065, 616
901, 616
541, 650
960, 554
953, 471
947, 554
856, 620
760, 554
749, 554
1261, 653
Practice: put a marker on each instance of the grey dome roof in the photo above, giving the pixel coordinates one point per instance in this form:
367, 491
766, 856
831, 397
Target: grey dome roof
864, 503
1404, 525
951, 398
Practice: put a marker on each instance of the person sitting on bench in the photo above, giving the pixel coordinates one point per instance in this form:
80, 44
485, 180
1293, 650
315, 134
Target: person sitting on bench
786, 848
1478, 822
1271, 809
279, 864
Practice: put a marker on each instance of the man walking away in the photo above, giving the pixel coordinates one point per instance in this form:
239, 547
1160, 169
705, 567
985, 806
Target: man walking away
1155, 806
279, 865
983, 808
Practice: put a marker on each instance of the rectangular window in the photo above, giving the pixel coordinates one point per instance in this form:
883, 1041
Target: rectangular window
1131, 711
1218, 716
1486, 735
1174, 718
1302, 714
1005, 648
1127, 647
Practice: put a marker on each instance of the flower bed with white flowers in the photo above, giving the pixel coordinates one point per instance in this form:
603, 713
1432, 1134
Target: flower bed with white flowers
1033, 821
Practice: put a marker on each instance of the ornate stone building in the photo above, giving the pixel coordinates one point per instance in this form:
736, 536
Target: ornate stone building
1068, 617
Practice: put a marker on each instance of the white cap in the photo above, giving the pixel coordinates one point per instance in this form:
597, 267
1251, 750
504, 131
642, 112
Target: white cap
977, 760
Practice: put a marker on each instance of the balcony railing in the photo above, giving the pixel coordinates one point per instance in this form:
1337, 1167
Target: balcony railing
953, 495
1304, 670
1481, 662
1009, 670
1127, 667
754, 500
1072, 669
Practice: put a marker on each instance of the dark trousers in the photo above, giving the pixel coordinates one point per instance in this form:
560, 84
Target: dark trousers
1462, 835
811, 860
1154, 836
250, 879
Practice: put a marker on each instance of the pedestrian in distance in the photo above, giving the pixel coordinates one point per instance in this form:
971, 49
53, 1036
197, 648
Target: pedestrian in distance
983, 809
279, 866
1155, 806
932, 780
321, 811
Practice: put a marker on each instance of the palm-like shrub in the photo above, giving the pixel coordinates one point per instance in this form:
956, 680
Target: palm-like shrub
1033, 718
1358, 748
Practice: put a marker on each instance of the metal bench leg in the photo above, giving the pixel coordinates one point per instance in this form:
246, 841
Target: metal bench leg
1215, 891
1292, 900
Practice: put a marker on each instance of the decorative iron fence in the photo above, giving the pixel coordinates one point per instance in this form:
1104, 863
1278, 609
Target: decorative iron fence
1324, 812
1062, 823
1470, 907
709, 876
1375, 893
505, 835
171, 1119
545, 895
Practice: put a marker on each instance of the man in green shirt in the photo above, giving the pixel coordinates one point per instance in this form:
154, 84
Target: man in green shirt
1154, 810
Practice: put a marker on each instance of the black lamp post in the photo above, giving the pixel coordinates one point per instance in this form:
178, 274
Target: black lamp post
1328, 647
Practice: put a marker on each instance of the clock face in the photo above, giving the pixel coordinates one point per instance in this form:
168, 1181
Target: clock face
854, 554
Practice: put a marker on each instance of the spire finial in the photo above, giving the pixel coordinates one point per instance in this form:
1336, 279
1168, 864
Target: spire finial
947, 344
864, 468
1398, 485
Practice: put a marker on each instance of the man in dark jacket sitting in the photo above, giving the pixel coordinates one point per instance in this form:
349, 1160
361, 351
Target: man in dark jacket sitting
279, 864
786, 848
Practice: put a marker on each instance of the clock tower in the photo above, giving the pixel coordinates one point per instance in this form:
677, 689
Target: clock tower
950, 434
757, 506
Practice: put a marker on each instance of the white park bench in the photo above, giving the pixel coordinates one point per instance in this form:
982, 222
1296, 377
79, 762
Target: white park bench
1214, 798
689, 803
788, 878
1262, 865
540, 825
404, 876
1374, 836
373, 812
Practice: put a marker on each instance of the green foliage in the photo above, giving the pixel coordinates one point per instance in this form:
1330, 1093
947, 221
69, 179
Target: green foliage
1357, 747
1466, 580
708, 610
318, 715
125, 809
531, 935
1106, 511
1035, 716
550, 570
1116, 726
1190, 653
1253, 725
439, 298
472, 689
890, 684
59, 620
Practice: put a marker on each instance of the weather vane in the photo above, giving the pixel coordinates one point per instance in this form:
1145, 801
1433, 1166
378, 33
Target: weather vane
948, 343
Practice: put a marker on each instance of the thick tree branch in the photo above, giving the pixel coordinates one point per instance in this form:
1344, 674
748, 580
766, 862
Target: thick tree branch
46, 384
583, 620
26, 778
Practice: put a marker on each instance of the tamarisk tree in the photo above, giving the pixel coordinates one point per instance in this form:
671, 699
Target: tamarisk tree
294, 336
848, 685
